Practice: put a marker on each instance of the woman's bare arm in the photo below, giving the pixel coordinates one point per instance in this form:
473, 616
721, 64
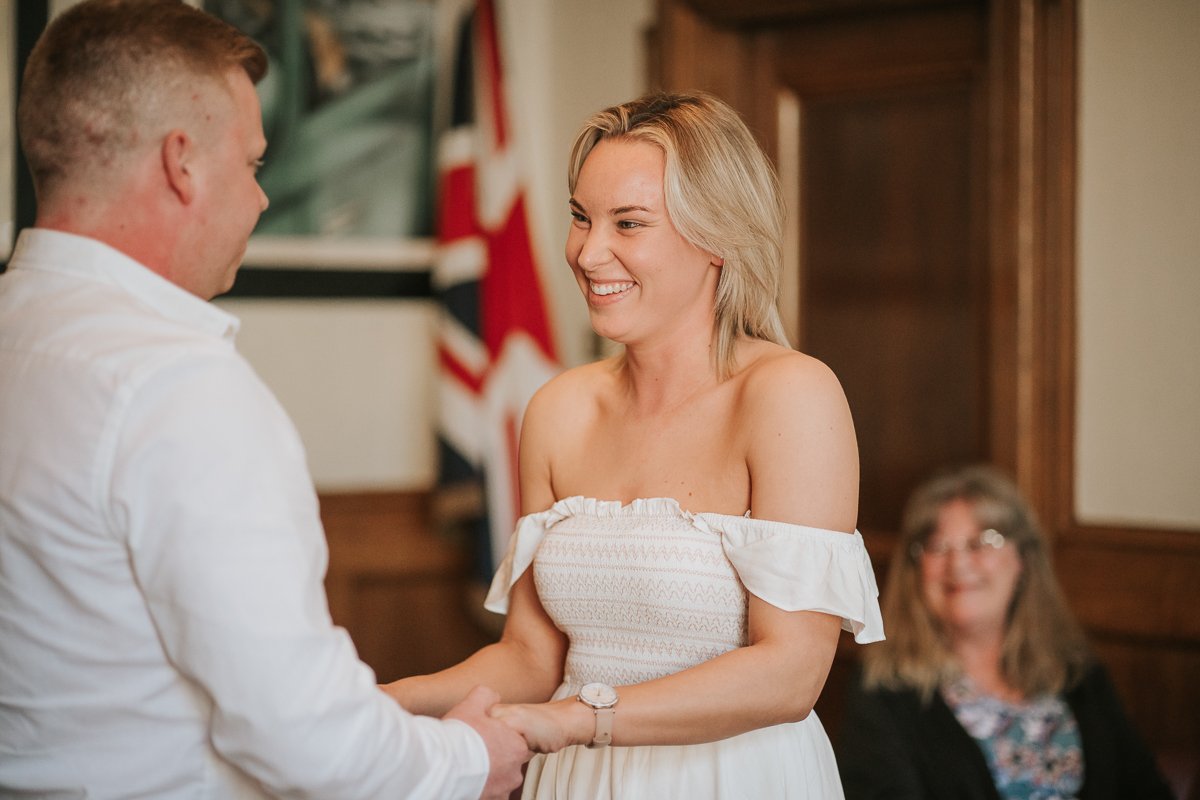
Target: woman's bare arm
526, 665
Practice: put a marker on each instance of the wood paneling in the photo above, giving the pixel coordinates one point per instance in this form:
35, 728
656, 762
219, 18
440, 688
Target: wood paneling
1165, 708
1141, 607
400, 590
891, 212
893, 279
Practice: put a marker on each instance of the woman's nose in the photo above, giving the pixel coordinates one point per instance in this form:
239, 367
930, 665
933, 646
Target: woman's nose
958, 559
594, 251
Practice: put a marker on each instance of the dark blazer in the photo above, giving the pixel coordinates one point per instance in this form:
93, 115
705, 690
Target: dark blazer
891, 746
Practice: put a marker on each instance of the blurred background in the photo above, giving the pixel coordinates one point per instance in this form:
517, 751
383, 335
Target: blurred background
993, 240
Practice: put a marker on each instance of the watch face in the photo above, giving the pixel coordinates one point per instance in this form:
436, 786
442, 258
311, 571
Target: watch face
598, 695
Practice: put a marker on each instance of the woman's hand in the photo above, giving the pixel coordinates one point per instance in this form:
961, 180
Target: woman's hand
548, 727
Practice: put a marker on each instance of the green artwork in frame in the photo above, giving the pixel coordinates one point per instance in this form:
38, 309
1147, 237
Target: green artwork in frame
347, 110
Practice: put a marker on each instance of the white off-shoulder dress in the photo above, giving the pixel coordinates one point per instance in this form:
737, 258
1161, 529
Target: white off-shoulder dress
647, 589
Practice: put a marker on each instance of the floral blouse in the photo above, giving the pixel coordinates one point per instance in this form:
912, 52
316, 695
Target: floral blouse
1032, 748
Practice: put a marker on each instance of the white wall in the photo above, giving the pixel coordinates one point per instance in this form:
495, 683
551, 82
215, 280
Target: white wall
356, 377
1138, 414
570, 58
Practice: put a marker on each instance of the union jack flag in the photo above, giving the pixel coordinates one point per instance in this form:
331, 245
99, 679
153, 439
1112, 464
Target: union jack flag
495, 346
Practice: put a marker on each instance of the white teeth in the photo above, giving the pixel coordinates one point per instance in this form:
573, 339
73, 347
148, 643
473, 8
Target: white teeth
609, 288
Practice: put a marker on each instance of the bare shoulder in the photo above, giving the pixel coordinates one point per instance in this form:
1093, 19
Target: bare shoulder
550, 429
570, 393
567, 402
801, 449
776, 376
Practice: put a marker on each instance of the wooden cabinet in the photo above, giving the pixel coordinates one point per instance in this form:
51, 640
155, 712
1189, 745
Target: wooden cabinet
402, 591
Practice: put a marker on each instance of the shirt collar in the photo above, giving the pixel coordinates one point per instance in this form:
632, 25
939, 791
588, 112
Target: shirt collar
67, 253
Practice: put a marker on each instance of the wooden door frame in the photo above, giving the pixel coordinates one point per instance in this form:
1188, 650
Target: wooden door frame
1032, 138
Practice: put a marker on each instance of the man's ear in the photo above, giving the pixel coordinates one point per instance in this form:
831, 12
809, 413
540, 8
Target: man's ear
177, 152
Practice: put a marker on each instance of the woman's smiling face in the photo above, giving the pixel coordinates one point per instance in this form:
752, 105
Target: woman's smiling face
968, 585
636, 271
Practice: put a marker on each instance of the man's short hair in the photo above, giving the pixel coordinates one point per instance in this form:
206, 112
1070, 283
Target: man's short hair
103, 70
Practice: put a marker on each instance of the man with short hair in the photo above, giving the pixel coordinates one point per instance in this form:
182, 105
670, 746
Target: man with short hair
163, 626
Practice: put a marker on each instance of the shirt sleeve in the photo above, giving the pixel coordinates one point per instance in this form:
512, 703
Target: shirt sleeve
210, 490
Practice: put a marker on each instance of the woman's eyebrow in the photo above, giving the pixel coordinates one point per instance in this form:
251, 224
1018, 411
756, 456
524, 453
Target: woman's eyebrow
616, 212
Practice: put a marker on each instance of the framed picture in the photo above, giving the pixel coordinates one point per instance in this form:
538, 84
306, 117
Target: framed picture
347, 109
348, 114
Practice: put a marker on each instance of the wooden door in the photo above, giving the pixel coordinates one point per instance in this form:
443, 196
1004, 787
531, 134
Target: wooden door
878, 122
890, 228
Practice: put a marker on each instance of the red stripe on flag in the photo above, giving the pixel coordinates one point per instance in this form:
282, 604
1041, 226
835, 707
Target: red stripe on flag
453, 368
513, 323
512, 297
456, 207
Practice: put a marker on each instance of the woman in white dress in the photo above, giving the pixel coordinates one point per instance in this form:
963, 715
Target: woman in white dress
688, 552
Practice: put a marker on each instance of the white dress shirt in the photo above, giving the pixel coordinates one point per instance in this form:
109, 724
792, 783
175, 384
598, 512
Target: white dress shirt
163, 627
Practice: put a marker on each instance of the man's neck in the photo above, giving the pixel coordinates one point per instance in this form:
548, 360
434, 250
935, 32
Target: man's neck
126, 223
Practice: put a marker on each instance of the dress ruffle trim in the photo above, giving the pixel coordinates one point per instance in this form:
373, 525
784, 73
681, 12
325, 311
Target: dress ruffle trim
792, 567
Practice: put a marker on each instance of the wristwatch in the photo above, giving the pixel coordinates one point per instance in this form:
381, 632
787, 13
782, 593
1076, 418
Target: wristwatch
601, 698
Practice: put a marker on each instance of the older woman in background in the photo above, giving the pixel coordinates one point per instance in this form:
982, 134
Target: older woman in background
985, 687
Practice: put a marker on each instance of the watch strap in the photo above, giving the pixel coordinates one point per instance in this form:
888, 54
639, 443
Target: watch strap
604, 726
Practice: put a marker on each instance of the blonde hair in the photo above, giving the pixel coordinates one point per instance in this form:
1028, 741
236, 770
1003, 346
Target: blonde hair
104, 69
722, 196
1044, 649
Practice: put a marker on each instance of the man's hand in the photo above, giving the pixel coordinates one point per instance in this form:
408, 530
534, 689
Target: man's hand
506, 748
548, 727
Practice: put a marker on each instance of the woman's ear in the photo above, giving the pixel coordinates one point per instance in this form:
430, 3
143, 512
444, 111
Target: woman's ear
177, 153
717, 261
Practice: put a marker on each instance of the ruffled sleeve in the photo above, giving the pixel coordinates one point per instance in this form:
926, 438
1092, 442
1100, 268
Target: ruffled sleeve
798, 568
522, 546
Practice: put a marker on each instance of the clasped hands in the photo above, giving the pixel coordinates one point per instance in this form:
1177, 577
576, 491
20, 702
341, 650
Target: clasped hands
548, 727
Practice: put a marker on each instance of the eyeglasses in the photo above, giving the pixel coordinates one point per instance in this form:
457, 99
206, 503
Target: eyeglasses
986, 542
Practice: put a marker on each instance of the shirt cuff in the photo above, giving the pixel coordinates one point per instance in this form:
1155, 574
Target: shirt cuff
471, 756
